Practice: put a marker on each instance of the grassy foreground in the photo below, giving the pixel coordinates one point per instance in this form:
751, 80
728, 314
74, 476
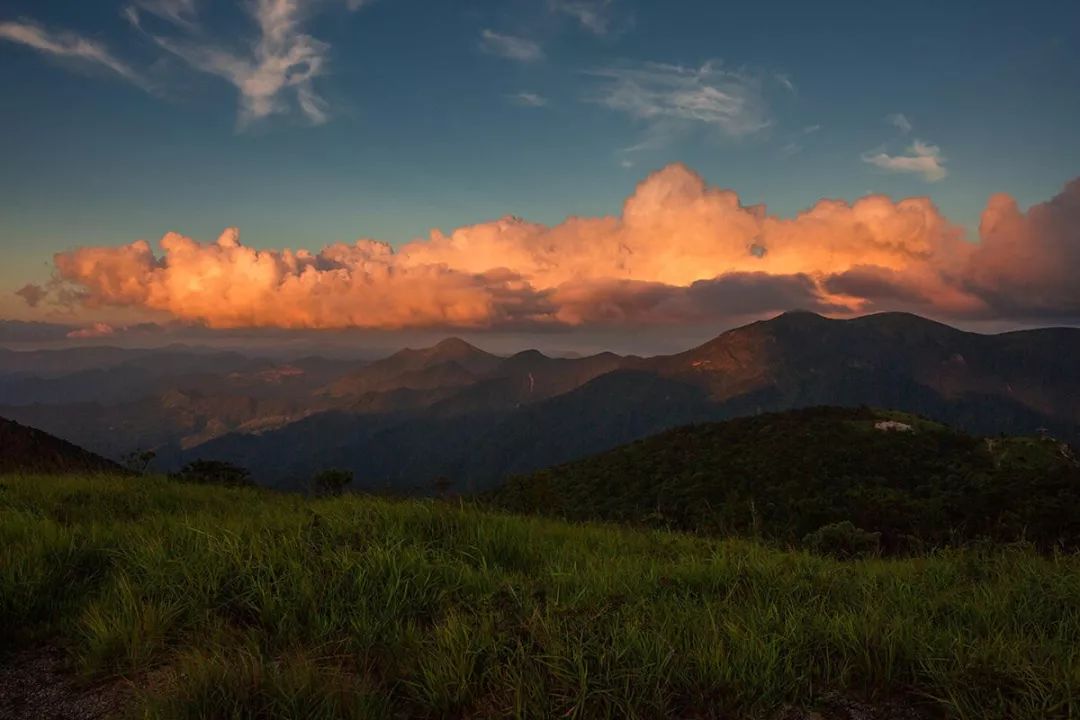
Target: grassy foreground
243, 603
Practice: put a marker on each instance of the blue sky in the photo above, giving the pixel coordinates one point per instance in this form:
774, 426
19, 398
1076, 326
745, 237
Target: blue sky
434, 114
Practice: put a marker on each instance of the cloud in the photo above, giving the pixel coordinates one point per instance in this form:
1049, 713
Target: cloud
510, 46
527, 99
32, 294
178, 12
680, 251
922, 159
97, 330
900, 122
596, 16
281, 62
672, 96
68, 45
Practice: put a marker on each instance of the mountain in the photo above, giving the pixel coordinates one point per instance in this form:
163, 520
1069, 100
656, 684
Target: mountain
24, 449
451, 362
785, 475
455, 410
479, 433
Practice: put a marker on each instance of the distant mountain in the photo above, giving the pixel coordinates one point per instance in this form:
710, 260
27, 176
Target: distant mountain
24, 449
455, 410
785, 475
452, 361
531, 411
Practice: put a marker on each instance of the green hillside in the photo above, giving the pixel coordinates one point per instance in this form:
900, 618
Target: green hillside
179, 601
785, 475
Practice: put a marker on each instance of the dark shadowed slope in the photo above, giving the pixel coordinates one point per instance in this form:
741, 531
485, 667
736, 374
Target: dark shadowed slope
24, 449
784, 475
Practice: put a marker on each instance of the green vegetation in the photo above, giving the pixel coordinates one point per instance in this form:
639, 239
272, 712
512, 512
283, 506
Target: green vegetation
241, 603
214, 472
787, 476
332, 482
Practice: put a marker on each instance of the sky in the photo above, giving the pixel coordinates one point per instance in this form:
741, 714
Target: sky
512, 166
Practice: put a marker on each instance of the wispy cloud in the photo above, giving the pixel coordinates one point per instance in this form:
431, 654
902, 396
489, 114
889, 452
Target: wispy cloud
900, 122
282, 61
510, 46
178, 12
596, 16
921, 158
68, 45
527, 99
669, 97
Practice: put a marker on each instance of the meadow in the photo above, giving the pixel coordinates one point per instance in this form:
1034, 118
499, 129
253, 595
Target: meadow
244, 603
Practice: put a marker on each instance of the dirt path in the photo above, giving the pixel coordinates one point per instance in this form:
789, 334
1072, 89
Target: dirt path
36, 684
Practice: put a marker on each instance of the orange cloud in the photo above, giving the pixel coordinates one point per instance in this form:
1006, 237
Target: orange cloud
679, 251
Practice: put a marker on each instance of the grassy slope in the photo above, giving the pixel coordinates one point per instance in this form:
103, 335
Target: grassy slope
783, 475
243, 603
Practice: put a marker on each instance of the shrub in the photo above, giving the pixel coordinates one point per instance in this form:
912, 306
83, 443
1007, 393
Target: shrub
214, 472
843, 540
332, 482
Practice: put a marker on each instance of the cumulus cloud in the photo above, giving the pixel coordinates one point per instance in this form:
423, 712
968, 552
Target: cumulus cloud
510, 46
921, 158
672, 97
68, 45
279, 65
680, 251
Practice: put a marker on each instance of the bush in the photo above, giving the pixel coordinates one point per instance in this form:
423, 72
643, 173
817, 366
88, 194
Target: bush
332, 482
843, 540
214, 472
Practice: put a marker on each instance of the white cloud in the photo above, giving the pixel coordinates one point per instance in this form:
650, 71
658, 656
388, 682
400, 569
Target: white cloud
785, 80
68, 45
282, 61
178, 12
672, 96
922, 158
510, 46
596, 16
900, 122
527, 99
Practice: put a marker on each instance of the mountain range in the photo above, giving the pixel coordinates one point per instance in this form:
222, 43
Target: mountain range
454, 411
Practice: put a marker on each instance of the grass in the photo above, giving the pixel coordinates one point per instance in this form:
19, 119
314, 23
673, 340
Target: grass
241, 603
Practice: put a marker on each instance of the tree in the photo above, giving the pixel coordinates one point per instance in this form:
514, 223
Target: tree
843, 540
138, 461
332, 482
442, 486
214, 472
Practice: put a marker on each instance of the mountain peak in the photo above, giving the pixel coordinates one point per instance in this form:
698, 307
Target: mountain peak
455, 345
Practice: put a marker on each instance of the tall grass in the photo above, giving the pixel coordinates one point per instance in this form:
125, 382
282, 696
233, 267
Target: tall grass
242, 603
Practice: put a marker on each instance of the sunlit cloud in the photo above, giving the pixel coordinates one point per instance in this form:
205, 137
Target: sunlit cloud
921, 159
96, 330
510, 46
680, 251
63, 44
